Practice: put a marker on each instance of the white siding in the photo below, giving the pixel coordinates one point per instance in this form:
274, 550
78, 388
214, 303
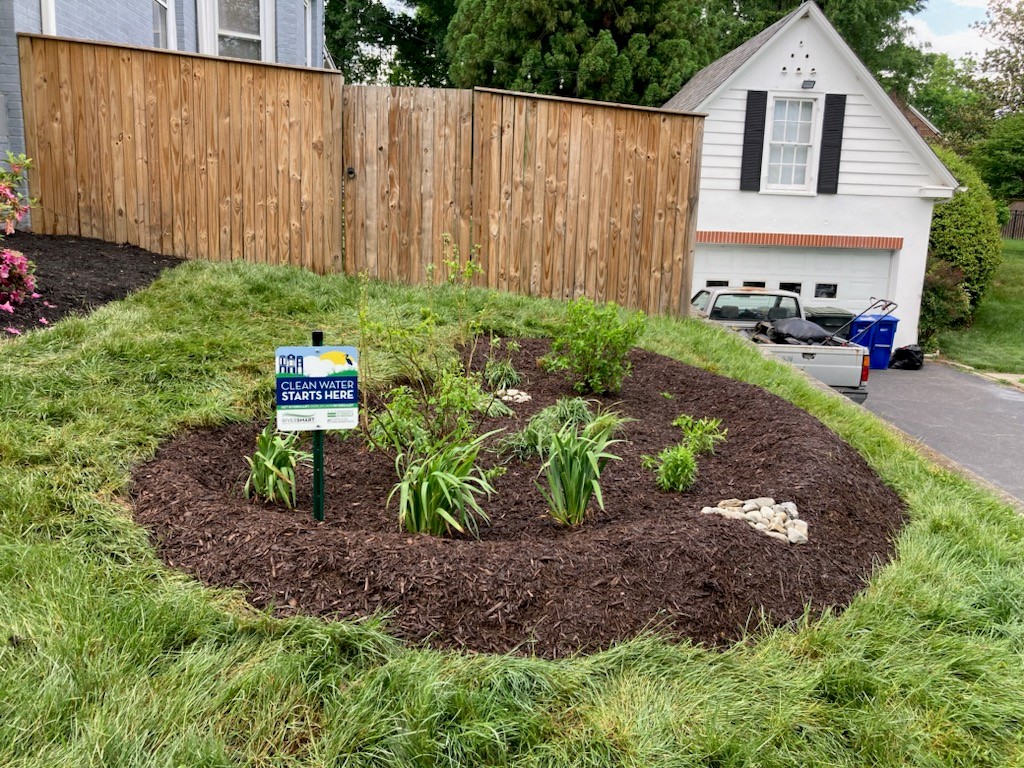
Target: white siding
875, 160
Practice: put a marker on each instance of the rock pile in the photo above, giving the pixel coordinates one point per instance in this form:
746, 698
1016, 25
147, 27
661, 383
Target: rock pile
780, 521
513, 396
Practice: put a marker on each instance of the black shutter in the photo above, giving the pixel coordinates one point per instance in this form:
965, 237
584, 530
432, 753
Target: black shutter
831, 143
753, 141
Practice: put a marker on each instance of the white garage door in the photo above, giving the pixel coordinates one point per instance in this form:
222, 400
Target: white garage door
829, 277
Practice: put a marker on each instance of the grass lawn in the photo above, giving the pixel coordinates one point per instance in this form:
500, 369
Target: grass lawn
995, 342
108, 658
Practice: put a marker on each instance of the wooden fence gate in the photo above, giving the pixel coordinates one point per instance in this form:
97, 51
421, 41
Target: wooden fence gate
222, 159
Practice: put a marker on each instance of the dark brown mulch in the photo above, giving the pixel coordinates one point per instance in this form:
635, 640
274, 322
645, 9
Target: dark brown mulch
649, 561
75, 275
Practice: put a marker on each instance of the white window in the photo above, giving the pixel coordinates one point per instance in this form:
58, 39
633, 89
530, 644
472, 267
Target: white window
243, 29
790, 140
163, 24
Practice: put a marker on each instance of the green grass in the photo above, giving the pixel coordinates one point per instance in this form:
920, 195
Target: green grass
108, 658
994, 340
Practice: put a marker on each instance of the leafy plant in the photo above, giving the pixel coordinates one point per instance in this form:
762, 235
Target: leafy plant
17, 279
573, 469
14, 204
592, 345
535, 437
945, 302
700, 435
438, 492
676, 468
965, 230
272, 467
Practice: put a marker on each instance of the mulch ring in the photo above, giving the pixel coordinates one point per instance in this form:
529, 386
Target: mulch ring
649, 561
75, 275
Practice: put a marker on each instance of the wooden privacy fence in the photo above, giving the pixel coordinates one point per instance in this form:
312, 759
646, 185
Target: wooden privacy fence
220, 159
184, 155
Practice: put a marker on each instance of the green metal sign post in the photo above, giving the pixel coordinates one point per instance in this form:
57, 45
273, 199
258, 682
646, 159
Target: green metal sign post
317, 389
318, 455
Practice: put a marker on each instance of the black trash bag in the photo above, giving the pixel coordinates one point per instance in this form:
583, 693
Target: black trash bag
799, 329
908, 358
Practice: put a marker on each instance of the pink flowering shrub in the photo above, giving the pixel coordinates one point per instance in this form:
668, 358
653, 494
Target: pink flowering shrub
17, 281
13, 203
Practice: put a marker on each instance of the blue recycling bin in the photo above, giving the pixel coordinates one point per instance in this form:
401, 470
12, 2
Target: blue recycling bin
877, 333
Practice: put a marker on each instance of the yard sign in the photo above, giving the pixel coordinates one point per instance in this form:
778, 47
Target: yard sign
317, 388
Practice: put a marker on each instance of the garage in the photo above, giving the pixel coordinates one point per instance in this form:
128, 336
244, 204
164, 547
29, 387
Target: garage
837, 277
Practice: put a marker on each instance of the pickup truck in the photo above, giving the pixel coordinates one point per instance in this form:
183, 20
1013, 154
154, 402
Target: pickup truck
836, 362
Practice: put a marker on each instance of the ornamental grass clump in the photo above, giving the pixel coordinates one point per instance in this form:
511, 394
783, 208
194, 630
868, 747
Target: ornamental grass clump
572, 471
592, 345
535, 437
438, 493
272, 468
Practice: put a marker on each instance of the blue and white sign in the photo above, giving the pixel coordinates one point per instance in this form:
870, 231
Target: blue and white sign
317, 388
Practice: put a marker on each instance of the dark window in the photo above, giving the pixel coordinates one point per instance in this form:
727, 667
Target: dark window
716, 283
831, 143
791, 287
753, 284
753, 141
825, 290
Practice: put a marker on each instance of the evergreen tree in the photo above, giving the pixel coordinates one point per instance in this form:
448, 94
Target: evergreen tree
638, 52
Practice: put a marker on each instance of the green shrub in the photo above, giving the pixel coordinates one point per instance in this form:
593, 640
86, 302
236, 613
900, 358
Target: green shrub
438, 492
535, 437
676, 468
420, 420
592, 345
700, 435
272, 467
573, 469
944, 301
965, 230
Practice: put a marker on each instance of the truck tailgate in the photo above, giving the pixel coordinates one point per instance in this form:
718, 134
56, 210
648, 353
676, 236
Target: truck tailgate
835, 366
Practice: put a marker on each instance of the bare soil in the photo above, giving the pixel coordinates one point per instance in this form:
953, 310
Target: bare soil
75, 275
648, 562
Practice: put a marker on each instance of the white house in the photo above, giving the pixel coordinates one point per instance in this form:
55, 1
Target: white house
812, 179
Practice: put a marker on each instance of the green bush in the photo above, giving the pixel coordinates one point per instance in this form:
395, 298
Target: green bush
272, 467
676, 468
944, 301
700, 435
573, 468
421, 420
438, 492
965, 230
592, 344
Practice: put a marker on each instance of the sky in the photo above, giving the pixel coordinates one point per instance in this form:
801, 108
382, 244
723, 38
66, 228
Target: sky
946, 25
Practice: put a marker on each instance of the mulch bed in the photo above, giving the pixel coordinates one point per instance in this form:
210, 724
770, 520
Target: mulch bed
75, 275
649, 561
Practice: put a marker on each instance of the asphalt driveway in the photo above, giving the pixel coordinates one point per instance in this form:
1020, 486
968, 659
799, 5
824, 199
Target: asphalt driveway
972, 420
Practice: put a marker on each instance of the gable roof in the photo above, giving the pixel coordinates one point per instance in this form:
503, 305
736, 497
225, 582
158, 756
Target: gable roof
699, 87
714, 78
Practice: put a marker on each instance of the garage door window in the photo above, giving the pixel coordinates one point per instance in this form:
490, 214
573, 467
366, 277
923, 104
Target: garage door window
825, 290
791, 287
